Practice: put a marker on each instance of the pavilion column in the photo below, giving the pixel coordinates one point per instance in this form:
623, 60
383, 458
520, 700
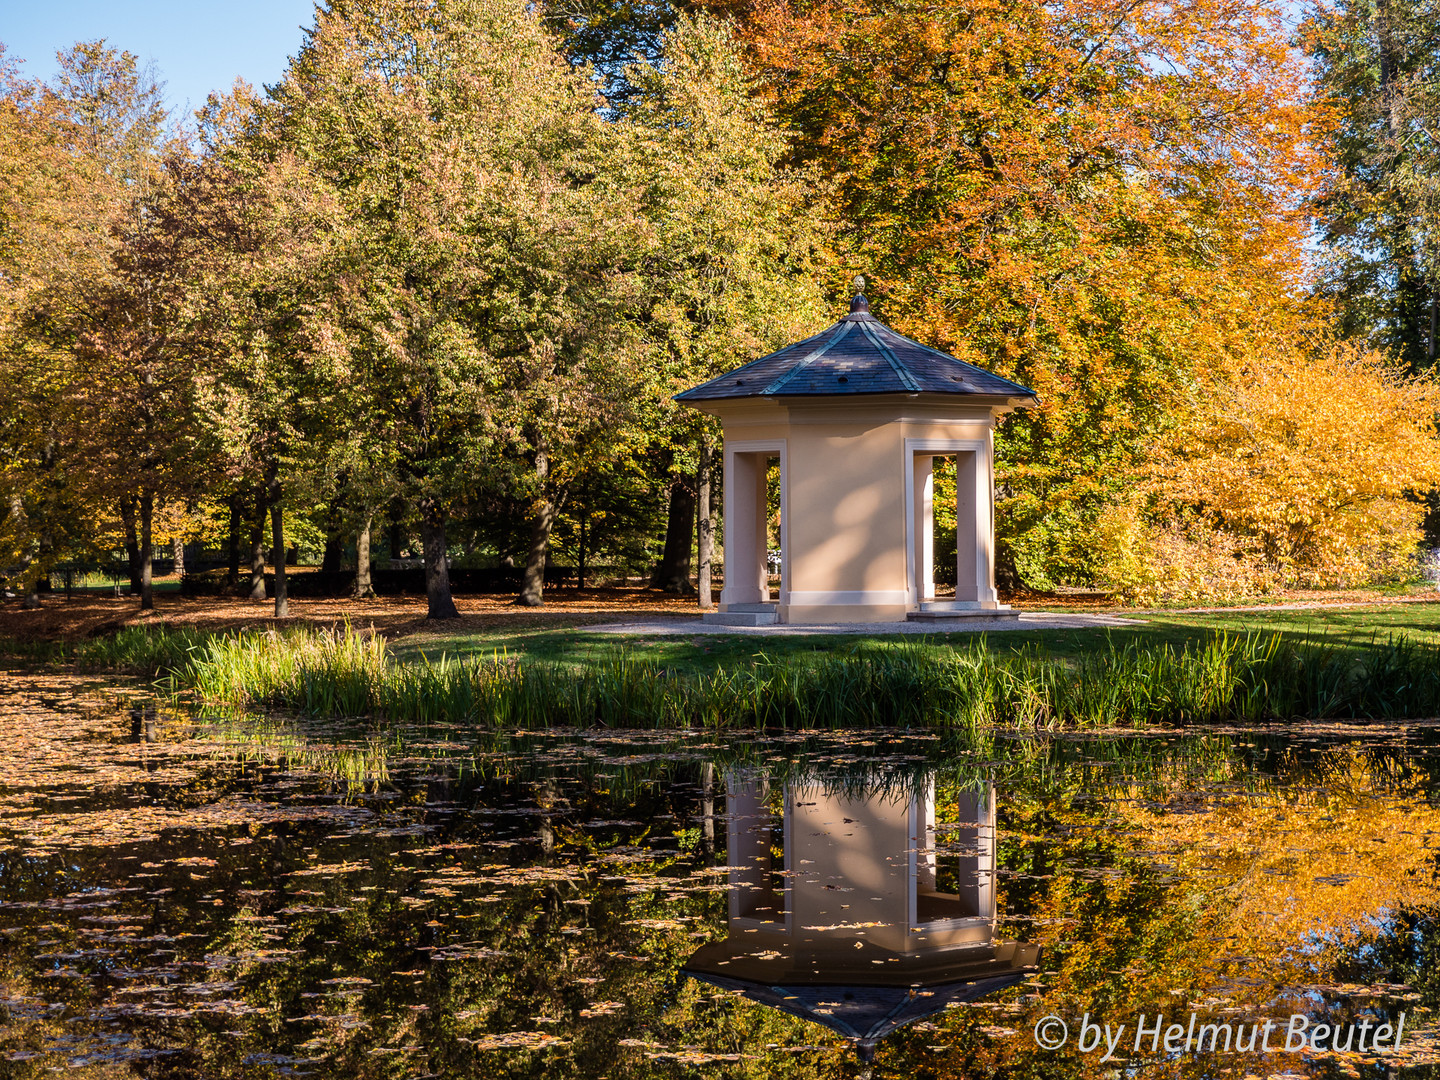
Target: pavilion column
746, 577
975, 839
924, 841
975, 525
923, 482
760, 465
748, 851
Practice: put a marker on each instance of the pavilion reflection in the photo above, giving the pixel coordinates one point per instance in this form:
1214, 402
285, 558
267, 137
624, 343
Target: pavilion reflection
858, 909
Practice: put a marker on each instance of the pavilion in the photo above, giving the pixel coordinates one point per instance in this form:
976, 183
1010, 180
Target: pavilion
855, 417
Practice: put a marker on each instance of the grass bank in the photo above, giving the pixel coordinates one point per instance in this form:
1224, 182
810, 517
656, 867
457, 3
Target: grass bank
1359, 628
1227, 678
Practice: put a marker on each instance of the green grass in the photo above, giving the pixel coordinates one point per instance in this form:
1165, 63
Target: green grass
1377, 661
1361, 628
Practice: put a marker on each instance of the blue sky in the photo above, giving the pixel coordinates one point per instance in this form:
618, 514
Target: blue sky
196, 46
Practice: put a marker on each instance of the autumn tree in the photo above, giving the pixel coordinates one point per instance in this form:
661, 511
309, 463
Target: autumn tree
48, 231
123, 399
610, 37
1095, 198
1302, 467
88, 336
276, 391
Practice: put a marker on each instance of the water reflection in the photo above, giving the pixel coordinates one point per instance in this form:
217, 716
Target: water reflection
258, 897
145, 723
862, 908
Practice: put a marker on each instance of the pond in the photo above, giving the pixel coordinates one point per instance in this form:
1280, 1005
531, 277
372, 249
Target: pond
187, 894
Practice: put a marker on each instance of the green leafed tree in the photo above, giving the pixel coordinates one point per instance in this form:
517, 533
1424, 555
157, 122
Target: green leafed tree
1378, 64
735, 255
461, 158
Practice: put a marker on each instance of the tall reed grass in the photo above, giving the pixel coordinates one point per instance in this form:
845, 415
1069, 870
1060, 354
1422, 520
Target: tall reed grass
132, 650
1229, 678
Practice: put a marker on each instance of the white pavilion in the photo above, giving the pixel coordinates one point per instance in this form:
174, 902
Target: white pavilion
855, 418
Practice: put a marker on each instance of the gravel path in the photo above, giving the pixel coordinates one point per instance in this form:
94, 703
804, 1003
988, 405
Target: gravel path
1032, 621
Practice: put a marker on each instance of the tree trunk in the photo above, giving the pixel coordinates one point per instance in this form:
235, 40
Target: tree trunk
132, 542
177, 550
257, 549
705, 527
546, 798
334, 554
1434, 325
395, 540
147, 548
334, 539
532, 585
580, 569
707, 807
363, 588
32, 597
232, 560
277, 539
441, 605
1007, 576
672, 573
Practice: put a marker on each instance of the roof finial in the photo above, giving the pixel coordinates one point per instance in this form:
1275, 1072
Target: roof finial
859, 303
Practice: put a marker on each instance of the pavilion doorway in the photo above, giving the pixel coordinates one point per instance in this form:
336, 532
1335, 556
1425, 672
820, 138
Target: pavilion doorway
949, 488
755, 495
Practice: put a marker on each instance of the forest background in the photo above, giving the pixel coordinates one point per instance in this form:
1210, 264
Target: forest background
434, 289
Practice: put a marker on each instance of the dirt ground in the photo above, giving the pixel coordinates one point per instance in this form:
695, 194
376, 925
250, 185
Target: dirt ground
92, 615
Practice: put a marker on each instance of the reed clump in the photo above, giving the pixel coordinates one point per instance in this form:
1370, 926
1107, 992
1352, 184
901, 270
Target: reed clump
1229, 678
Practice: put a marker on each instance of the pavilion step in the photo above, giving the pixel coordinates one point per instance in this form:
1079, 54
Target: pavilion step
945, 610
764, 615
759, 613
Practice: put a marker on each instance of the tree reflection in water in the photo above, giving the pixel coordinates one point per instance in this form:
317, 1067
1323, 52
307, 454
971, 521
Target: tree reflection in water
246, 897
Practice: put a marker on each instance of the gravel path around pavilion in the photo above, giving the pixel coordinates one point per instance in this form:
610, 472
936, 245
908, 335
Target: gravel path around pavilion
1027, 621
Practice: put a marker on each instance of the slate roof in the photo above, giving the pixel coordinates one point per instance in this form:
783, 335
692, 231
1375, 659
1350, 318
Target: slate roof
858, 355
858, 997
862, 1014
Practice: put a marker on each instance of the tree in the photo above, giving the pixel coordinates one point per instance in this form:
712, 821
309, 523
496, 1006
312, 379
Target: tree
736, 252
610, 37
459, 150
1303, 467
48, 231
114, 320
88, 337
1379, 69
1095, 198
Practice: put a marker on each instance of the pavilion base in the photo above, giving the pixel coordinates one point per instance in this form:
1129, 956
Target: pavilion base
837, 614
773, 614
945, 610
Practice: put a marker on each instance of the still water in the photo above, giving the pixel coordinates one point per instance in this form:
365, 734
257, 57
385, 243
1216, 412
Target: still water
189, 895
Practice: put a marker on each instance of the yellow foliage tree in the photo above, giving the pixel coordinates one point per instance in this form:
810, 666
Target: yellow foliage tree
1301, 467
